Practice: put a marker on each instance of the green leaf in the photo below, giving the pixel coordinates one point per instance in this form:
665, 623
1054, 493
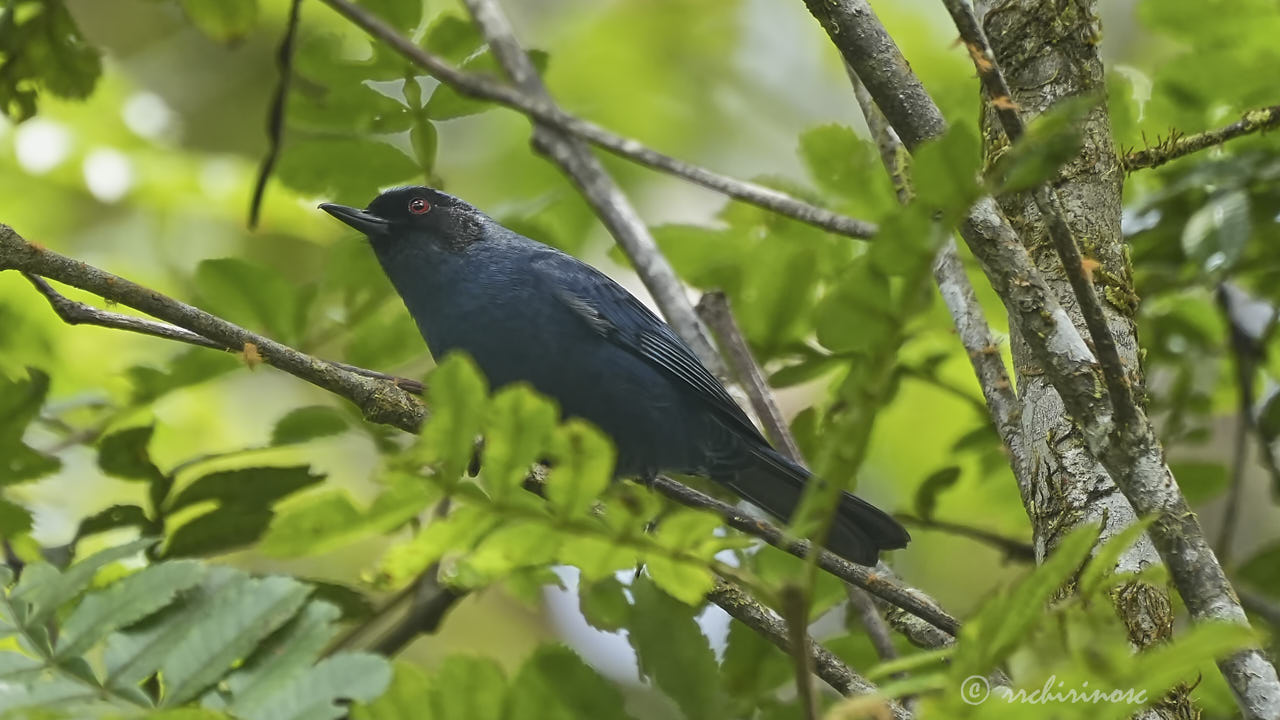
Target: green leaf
1216, 234
446, 103
457, 532
518, 431
236, 619
308, 423
253, 295
515, 544
43, 50
1260, 569
1051, 140
218, 531
45, 592
125, 454
468, 687
583, 467
1103, 563
604, 604
408, 698
674, 653
945, 171
116, 516
403, 15
597, 558
457, 391
20, 403
838, 160
346, 170
224, 21
927, 494
254, 487
752, 666
317, 691
187, 368
331, 520
1007, 619
124, 602
14, 519
1200, 481
453, 38
855, 316
555, 684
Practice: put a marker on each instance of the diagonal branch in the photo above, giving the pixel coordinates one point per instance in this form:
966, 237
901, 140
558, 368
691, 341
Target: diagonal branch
544, 111
1178, 145
78, 313
1131, 452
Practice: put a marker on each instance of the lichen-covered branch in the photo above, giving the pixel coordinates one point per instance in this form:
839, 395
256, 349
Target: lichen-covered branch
1178, 145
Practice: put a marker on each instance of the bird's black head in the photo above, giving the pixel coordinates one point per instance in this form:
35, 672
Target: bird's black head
414, 215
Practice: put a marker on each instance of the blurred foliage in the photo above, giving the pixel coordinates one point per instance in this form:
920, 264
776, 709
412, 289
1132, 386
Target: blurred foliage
134, 130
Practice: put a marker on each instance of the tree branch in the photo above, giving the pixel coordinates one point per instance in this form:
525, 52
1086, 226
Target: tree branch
543, 110
275, 115
1131, 454
1013, 549
1178, 145
827, 666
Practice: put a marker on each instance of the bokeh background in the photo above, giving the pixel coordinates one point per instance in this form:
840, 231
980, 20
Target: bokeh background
151, 177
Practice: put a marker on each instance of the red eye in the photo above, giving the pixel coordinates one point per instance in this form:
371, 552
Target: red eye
418, 206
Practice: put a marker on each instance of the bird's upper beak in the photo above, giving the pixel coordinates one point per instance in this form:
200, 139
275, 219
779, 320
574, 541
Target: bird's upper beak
364, 221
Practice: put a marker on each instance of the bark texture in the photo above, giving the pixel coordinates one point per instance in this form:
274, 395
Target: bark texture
1048, 50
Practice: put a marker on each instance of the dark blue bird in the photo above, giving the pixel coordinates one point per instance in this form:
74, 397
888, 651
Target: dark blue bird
526, 311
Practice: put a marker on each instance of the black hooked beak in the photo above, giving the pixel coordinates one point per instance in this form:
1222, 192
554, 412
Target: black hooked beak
361, 220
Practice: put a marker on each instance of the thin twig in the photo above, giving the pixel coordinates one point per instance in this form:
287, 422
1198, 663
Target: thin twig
1013, 549
384, 402
827, 666
869, 616
485, 88
1178, 145
275, 115
77, 313
893, 154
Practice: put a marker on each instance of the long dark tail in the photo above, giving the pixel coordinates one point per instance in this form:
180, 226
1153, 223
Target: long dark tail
860, 531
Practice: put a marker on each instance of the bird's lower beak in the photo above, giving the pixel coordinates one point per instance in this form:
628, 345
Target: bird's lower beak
364, 221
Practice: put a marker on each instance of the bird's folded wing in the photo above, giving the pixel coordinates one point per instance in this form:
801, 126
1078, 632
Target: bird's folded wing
619, 317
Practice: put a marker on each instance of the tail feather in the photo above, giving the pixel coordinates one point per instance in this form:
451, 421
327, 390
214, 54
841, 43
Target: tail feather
860, 530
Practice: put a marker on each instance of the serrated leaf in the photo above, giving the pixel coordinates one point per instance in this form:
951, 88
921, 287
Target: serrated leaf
408, 697
674, 653
116, 516
518, 431
124, 602
404, 15
253, 295
453, 38
20, 402
855, 316
604, 604
1005, 621
222, 20
45, 592
583, 467
286, 654
752, 666
468, 687
555, 684
838, 160
457, 391
331, 520
596, 557
318, 691
516, 544
14, 519
44, 52
945, 171
237, 618
308, 423
682, 580
457, 532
